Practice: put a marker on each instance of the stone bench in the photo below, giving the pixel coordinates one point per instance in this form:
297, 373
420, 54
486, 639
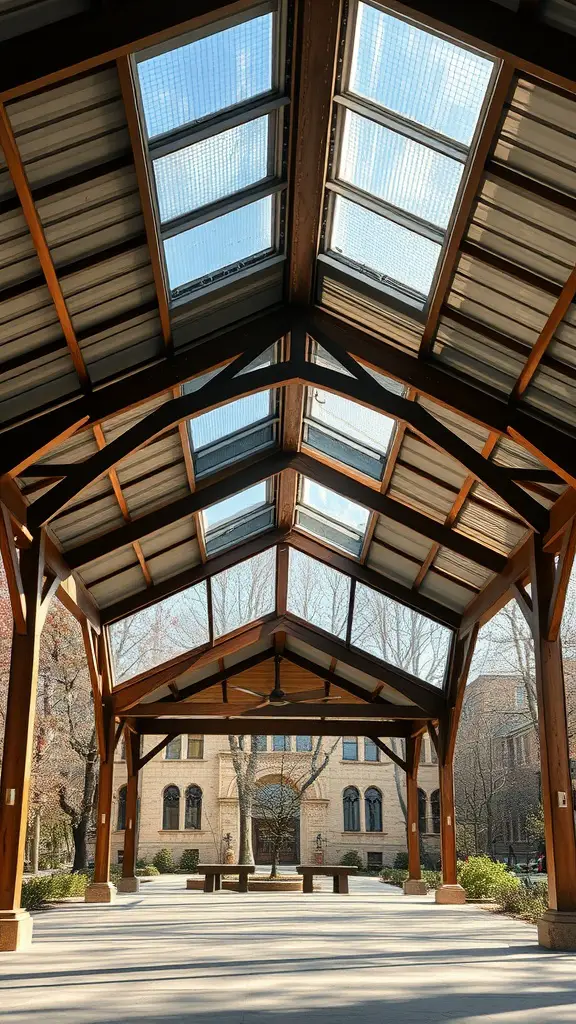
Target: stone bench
337, 872
213, 875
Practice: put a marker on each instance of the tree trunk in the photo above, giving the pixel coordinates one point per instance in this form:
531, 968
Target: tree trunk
245, 854
35, 845
275, 855
79, 835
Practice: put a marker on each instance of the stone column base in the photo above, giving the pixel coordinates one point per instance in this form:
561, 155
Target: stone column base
128, 885
15, 931
100, 892
415, 887
450, 894
556, 929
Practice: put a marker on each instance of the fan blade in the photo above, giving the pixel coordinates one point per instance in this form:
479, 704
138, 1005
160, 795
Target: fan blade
306, 695
264, 704
253, 693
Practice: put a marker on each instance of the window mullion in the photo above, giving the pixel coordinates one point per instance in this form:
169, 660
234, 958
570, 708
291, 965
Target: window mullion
403, 126
222, 206
181, 138
394, 213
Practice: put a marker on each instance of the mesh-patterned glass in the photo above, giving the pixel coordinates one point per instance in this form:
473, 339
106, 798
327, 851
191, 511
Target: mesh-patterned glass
329, 532
382, 246
336, 448
417, 74
355, 421
218, 423
211, 169
210, 74
337, 508
398, 170
226, 241
236, 533
241, 446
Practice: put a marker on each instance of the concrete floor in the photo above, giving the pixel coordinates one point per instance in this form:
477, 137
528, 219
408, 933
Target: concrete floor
373, 957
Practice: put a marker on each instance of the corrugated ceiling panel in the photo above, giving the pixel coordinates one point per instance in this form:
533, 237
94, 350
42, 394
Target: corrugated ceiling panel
391, 563
117, 425
161, 454
401, 538
179, 533
346, 301
98, 513
415, 452
489, 528
171, 562
538, 136
470, 353
161, 488
474, 435
462, 568
116, 561
553, 387
524, 229
123, 585
18, 258
446, 592
432, 498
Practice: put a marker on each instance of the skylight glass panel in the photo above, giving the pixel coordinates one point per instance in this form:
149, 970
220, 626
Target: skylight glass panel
419, 75
235, 506
318, 594
398, 170
330, 517
227, 419
349, 432
244, 593
225, 241
206, 171
180, 86
156, 634
383, 247
397, 634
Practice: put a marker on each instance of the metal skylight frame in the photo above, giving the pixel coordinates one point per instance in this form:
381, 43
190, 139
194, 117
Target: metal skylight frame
254, 520
329, 531
274, 104
385, 288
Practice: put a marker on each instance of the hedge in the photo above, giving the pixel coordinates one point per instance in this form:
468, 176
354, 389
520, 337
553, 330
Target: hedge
38, 892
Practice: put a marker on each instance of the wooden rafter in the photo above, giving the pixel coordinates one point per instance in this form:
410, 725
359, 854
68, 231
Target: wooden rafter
545, 338
18, 174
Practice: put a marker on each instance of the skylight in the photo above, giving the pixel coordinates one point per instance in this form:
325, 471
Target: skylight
331, 517
407, 116
213, 111
232, 432
236, 518
346, 431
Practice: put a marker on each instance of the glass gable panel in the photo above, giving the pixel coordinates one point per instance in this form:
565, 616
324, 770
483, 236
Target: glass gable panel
318, 594
419, 75
380, 245
398, 170
180, 87
225, 241
244, 593
212, 168
154, 635
400, 636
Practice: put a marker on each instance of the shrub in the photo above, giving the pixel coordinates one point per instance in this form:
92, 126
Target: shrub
38, 892
164, 861
433, 879
352, 859
189, 861
528, 900
401, 859
140, 863
147, 871
482, 877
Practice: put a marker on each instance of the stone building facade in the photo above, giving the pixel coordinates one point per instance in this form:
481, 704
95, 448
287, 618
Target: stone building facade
188, 800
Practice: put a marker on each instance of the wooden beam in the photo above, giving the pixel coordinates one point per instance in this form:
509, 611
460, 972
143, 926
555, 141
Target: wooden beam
333, 678
94, 671
12, 570
156, 749
545, 338
390, 753
192, 709
271, 727
425, 696
20, 180
132, 743
492, 119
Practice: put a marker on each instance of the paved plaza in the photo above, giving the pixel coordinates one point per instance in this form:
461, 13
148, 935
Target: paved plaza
169, 955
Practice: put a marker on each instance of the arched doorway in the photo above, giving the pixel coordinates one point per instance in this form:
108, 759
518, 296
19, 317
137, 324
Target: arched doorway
276, 818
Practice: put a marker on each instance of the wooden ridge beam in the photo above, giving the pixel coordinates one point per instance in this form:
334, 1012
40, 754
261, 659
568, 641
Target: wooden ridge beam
241, 709
270, 727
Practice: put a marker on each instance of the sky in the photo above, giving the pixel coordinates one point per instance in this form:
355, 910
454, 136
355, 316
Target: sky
394, 64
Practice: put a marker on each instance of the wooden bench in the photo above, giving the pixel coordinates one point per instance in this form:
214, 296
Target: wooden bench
338, 872
213, 875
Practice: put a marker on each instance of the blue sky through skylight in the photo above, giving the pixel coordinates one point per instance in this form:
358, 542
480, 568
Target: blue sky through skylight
210, 74
351, 419
333, 505
417, 74
235, 506
222, 242
219, 423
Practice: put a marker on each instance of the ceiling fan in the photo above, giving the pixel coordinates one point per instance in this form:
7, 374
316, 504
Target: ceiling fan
278, 698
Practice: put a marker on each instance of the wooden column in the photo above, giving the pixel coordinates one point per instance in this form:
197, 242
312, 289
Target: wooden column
27, 574
445, 742
102, 890
557, 928
413, 886
129, 882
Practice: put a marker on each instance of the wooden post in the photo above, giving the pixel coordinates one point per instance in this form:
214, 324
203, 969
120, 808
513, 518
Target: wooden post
16, 924
129, 882
102, 890
413, 886
450, 891
557, 928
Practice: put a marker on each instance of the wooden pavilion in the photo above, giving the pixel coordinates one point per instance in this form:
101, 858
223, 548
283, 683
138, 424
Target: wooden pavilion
112, 347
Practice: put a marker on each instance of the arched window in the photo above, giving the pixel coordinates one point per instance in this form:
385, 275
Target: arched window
435, 806
422, 802
373, 801
351, 804
121, 822
171, 809
193, 810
